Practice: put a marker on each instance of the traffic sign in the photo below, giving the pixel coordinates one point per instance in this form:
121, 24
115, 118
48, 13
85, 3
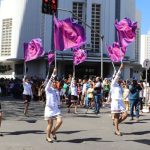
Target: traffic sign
146, 63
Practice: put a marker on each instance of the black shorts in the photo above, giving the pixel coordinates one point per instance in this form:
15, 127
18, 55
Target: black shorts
74, 98
26, 98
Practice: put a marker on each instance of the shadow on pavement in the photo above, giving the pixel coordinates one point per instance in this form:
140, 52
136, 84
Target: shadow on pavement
70, 132
138, 133
143, 141
24, 132
28, 120
87, 116
132, 122
82, 140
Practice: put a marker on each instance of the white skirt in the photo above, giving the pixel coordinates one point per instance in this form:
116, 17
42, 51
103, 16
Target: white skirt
51, 112
117, 106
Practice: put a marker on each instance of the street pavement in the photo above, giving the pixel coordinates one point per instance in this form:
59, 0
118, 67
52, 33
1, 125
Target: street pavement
78, 132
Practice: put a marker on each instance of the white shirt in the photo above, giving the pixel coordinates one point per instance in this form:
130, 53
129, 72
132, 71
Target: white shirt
73, 88
52, 100
116, 90
27, 90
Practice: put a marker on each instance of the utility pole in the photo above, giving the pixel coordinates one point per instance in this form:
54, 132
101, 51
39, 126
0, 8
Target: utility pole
101, 42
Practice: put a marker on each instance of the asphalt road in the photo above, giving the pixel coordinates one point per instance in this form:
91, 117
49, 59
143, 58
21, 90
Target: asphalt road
78, 132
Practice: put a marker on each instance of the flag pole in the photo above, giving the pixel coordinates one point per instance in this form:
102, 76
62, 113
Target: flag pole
53, 28
114, 66
73, 70
25, 68
55, 59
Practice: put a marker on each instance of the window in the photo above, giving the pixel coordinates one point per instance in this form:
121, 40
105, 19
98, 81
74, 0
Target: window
78, 11
95, 24
6, 37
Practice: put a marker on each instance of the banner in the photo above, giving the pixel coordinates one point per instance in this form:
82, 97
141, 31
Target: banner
126, 30
68, 34
79, 56
33, 50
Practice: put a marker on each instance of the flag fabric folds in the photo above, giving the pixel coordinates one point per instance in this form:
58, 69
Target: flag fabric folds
115, 52
79, 56
33, 50
51, 57
126, 30
68, 34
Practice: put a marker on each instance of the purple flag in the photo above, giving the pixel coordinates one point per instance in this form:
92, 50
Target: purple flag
126, 30
33, 49
115, 52
68, 34
51, 57
79, 56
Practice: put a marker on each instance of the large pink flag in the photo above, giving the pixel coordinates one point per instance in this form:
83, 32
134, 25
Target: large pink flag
115, 52
33, 49
126, 30
79, 56
68, 34
51, 57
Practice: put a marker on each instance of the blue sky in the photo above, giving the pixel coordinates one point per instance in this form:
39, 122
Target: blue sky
144, 7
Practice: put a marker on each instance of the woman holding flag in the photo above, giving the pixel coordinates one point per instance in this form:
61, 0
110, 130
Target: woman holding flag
52, 111
118, 109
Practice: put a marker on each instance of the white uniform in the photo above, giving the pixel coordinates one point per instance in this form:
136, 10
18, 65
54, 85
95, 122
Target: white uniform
116, 91
27, 90
52, 101
73, 88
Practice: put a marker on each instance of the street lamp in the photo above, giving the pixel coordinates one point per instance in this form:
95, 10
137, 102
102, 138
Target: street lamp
101, 42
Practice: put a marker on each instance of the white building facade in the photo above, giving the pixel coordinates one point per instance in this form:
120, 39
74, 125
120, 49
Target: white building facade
22, 20
145, 47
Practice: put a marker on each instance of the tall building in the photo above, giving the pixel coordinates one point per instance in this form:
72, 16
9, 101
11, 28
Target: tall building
145, 47
24, 21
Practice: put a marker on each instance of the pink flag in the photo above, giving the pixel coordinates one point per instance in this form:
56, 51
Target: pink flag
51, 57
68, 34
79, 56
33, 49
115, 52
126, 30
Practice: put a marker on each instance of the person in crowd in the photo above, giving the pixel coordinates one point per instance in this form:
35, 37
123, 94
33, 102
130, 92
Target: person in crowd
90, 96
97, 94
27, 94
84, 92
65, 90
106, 89
126, 96
141, 96
79, 88
0, 118
52, 110
74, 95
118, 109
134, 99
145, 92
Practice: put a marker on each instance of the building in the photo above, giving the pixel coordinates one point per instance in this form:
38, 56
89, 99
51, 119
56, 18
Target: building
24, 21
145, 47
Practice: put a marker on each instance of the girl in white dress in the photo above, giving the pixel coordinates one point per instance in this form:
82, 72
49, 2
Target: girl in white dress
52, 110
27, 94
118, 109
